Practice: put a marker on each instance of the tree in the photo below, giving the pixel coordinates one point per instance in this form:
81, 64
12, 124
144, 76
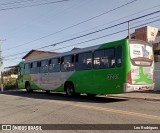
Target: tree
13, 70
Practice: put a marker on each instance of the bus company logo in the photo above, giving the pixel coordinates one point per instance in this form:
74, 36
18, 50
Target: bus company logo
6, 127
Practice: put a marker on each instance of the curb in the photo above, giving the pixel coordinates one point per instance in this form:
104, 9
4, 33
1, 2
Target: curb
147, 99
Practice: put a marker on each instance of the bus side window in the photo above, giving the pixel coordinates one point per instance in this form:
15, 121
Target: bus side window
50, 62
34, 67
84, 61
99, 59
67, 63
39, 64
110, 53
59, 61
27, 68
43, 66
76, 58
54, 65
19, 72
104, 58
119, 56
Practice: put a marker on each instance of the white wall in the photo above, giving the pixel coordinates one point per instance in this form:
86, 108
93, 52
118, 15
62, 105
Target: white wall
157, 76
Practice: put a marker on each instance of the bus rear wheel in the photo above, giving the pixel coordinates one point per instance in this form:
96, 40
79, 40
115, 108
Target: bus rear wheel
28, 88
70, 90
91, 95
47, 91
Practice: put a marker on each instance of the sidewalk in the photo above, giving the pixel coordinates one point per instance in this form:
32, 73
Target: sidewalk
147, 95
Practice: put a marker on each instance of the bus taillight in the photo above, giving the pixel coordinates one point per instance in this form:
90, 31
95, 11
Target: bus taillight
129, 77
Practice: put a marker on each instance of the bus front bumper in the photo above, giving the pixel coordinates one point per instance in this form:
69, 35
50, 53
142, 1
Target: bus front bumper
131, 88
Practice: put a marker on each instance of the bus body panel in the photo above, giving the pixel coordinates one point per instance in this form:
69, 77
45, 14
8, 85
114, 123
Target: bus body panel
94, 81
141, 70
141, 63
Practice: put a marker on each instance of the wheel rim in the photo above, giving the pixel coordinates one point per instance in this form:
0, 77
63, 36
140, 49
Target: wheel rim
70, 90
28, 88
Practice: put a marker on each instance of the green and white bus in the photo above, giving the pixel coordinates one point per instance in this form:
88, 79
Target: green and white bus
110, 68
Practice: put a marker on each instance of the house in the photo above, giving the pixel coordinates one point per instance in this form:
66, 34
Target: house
35, 54
151, 35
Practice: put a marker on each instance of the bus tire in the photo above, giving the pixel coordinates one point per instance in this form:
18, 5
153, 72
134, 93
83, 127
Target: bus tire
69, 89
47, 91
28, 88
91, 95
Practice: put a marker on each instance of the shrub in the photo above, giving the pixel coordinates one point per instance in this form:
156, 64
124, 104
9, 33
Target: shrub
9, 84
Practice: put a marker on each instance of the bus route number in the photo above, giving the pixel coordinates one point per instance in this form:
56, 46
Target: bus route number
112, 76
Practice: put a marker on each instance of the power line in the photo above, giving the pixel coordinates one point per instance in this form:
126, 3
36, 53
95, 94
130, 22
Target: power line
18, 53
125, 17
107, 35
101, 29
41, 4
75, 24
87, 40
100, 36
43, 18
69, 7
15, 2
146, 19
98, 31
118, 20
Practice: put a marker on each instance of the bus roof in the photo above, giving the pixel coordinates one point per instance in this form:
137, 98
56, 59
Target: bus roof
87, 49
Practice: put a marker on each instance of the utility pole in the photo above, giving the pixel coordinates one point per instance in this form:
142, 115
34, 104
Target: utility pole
1, 64
129, 37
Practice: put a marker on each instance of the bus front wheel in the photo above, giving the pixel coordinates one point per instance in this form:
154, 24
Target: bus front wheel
70, 90
28, 88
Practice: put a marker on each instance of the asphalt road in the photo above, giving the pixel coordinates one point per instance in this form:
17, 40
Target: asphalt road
19, 107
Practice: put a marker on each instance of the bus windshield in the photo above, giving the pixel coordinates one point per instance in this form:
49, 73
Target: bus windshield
141, 55
142, 64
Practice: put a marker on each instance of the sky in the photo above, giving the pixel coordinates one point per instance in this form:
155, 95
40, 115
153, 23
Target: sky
52, 21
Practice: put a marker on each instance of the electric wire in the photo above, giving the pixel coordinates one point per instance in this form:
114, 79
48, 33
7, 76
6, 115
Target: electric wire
101, 36
33, 5
115, 21
15, 2
82, 22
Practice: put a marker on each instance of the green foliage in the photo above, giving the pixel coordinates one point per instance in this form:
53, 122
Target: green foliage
13, 70
9, 84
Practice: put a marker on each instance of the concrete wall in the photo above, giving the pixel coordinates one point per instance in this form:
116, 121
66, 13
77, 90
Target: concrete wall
146, 33
152, 33
141, 33
157, 76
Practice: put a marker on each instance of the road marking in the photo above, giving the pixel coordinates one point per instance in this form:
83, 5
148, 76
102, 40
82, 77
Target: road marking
107, 109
